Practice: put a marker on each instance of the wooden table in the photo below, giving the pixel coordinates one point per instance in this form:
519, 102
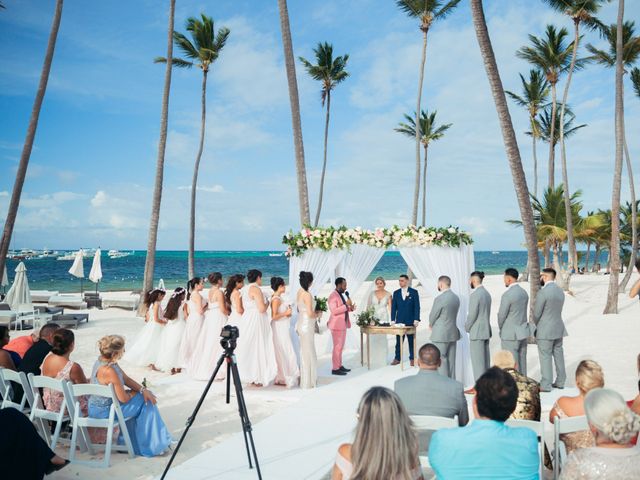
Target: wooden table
397, 329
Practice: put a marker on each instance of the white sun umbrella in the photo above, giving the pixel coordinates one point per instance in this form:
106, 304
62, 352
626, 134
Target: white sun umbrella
19, 293
95, 275
77, 269
5, 278
161, 284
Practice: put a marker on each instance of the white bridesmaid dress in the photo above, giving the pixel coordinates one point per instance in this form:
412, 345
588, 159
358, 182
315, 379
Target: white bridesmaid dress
306, 329
208, 349
235, 318
255, 352
172, 334
146, 347
288, 371
191, 332
379, 343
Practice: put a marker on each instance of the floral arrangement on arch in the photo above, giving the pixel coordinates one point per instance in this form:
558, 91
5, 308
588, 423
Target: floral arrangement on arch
341, 238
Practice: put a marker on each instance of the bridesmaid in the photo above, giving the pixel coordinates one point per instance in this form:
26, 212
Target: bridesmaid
174, 315
380, 300
208, 348
288, 372
146, 348
255, 352
306, 328
233, 299
195, 316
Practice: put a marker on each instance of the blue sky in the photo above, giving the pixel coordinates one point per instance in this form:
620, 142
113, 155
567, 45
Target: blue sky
91, 172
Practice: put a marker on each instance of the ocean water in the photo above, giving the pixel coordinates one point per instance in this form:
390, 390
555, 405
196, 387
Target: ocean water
126, 273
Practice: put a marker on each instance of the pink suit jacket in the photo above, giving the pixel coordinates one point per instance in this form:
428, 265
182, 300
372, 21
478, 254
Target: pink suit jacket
338, 309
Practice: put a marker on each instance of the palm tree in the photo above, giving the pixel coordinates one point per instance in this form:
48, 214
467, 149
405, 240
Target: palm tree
602, 237
510, 143
14, 203
430, 133
330, 72
294, 101
534, 96
581, 12
587, 231
635, 80
546, 128
427, 11
149, 264
203, 52
631, 52
614, 251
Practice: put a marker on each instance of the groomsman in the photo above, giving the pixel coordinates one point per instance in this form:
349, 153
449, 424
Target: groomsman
512, 319
405, 308
547, 315
478, 325
444, 331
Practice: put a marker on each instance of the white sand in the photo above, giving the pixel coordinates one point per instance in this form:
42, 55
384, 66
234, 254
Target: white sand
610, 340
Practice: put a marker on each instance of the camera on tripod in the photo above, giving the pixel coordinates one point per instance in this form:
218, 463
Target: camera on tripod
228, 336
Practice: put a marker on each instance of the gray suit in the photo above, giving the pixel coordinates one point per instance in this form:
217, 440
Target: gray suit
547, 315
478, 326
512, 320
445, 333
429, 393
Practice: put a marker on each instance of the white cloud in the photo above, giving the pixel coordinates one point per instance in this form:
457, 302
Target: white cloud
99, 199
208, 189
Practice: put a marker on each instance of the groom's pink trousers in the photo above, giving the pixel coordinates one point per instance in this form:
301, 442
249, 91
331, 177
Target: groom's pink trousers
338, 336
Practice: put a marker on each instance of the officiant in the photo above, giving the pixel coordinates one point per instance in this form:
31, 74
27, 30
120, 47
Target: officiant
405, 308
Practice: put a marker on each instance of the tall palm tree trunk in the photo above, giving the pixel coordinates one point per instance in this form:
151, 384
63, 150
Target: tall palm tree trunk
21, 174
510, 142
324, 163
586, 257
634, 218
552, 133
573, 255
535, 162
596, 256
614, 249
301, 171
194, 182
416, 190
424, 187
149, 264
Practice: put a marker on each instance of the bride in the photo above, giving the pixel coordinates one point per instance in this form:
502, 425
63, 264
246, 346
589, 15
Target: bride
306, 328
380, 300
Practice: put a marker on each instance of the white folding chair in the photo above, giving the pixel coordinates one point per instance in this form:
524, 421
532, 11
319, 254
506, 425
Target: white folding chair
25, 312
538, 428
560, 427
80, 422
428, 424
8, 378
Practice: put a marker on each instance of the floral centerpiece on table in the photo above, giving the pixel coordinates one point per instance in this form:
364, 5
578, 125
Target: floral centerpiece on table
342, 238
321, 304
367, 318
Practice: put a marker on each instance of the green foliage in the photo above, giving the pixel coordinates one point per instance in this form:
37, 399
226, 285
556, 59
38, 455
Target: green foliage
367, 318
630, 49
635, 80
582, 11
328, 70
427, 10
543, 125
428, 129
535, 93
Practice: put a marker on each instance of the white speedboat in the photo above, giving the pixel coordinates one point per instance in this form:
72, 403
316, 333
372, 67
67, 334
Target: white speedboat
275, 254
118, 254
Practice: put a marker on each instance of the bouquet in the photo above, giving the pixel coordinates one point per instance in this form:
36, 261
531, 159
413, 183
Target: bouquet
367, 318
321, 304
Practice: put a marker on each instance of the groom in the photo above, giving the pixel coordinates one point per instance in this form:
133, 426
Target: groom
339, 305
405, 308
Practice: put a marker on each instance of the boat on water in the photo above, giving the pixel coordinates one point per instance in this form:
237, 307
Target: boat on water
118, 254
495, 253
276, 254
67, 256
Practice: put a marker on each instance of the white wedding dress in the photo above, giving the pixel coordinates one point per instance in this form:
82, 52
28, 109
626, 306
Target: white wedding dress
144, 351
379, 347
255, 353
288, 371
306, 328
172, 333
208, 349
191, 332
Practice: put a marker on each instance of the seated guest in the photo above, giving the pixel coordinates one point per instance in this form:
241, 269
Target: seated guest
6, 359
385, 444
34, 357
613, 425
59, 366
148, 432
487, 448
21, 344
23, 453
588, 376
528, 405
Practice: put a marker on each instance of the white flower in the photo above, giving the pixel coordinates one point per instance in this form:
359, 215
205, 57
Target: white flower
451, 230
299, 243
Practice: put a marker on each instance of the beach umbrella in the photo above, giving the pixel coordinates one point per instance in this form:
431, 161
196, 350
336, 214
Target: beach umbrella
5, 279
77, 269
19, 293
161, 284
95, 275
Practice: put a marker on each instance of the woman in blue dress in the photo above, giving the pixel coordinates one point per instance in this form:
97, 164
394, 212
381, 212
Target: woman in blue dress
147, 430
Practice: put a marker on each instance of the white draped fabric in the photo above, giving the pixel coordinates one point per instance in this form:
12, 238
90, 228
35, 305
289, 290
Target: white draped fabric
428, 263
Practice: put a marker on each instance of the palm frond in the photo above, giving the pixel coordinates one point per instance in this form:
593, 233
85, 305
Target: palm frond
635, 80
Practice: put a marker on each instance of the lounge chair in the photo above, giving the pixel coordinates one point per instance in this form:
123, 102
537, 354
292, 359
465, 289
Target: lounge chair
69, 301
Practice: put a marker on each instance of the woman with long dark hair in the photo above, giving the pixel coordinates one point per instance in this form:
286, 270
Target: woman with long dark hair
306, 329
288, 371
196, 306
146, 347
208, 348
233, 299
174, 315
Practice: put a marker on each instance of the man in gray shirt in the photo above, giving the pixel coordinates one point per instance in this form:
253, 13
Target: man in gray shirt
550, 330
512, 319
430, 393
442, 321
478, 325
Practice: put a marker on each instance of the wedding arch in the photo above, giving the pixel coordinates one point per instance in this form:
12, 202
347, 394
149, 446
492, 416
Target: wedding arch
353, 253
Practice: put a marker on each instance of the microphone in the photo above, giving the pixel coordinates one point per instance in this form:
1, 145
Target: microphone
346, 293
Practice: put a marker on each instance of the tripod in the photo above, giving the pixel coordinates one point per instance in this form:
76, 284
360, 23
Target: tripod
228, 342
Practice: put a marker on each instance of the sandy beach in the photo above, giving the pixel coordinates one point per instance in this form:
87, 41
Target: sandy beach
610, 340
